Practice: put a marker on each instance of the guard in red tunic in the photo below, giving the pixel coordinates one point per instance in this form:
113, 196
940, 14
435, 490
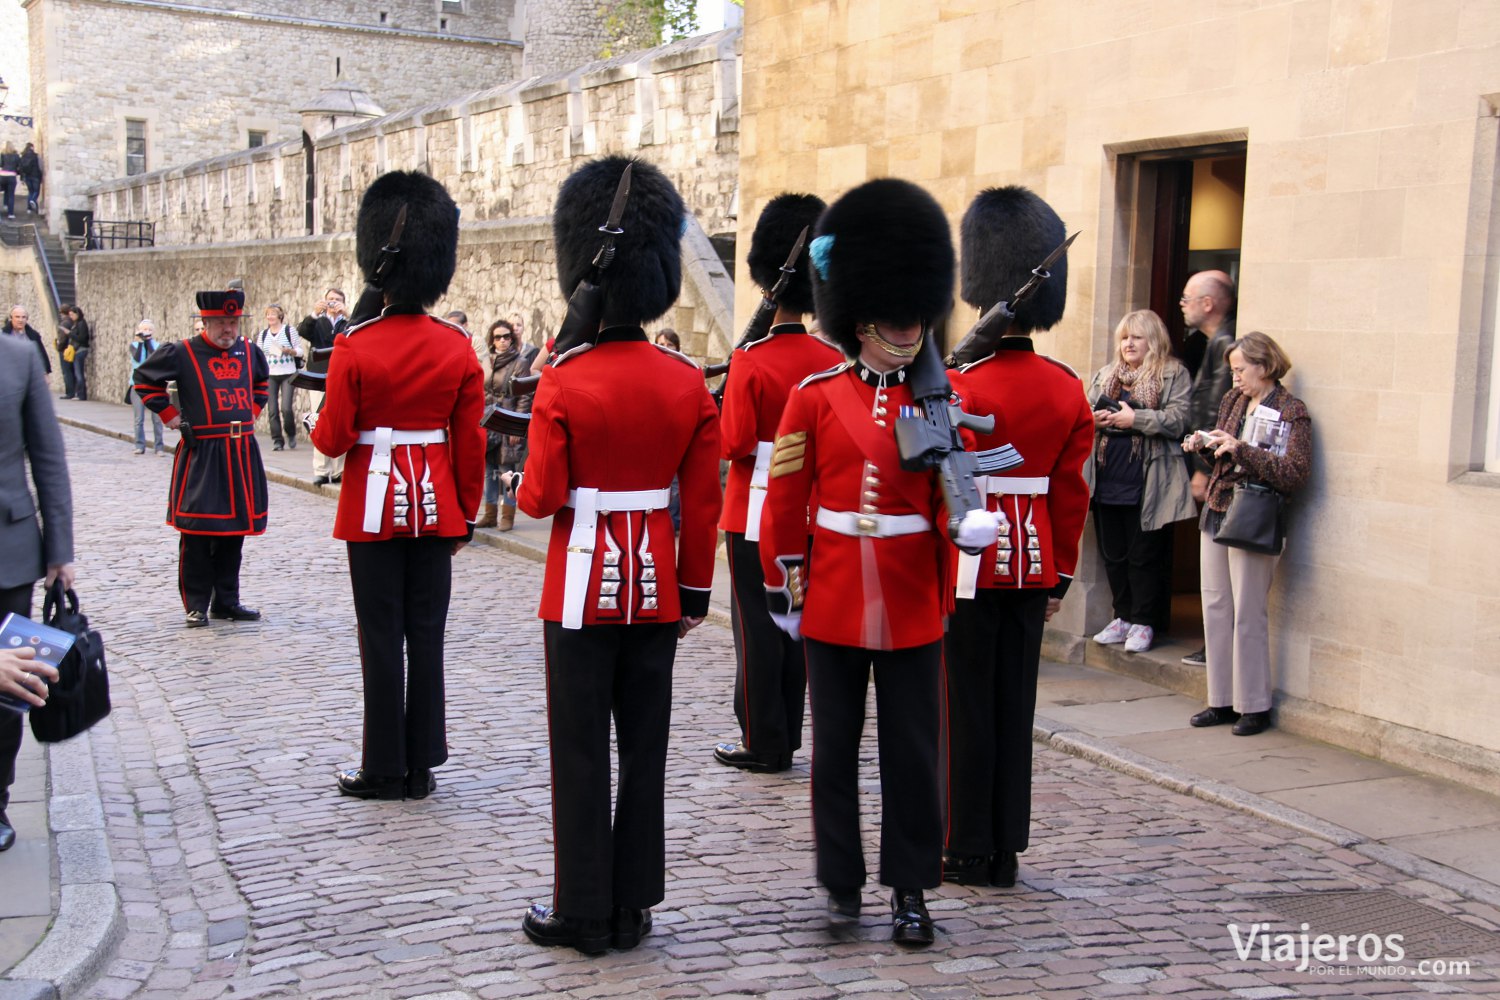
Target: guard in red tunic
613, 421
1007, 593
874, 593
770, 672
218, 493
404, 398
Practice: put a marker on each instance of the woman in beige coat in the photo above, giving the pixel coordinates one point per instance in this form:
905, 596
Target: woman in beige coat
1136, 475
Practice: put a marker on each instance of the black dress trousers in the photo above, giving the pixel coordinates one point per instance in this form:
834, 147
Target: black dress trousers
208, 570
592, 673
770, 675
907, 695
13, 600
401, 591
994, 651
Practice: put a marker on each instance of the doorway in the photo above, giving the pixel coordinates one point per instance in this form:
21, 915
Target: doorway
1183, 211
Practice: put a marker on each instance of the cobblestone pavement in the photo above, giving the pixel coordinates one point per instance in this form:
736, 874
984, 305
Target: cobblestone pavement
243, 873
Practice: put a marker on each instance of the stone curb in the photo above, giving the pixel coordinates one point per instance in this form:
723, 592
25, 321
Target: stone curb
89, 924
1117, 758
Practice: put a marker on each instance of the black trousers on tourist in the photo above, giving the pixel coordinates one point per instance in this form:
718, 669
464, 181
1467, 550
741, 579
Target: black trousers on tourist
208, 570
401, 592
770, 669
593, 673
1138, 564
13, 600
907, 693
994, 650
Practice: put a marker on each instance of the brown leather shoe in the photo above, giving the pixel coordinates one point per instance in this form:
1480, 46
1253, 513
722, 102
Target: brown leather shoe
487, 519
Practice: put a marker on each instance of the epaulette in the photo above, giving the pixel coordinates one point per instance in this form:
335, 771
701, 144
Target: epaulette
354, 328
451, 326
570, 353
676, 354
764, 340
972, 364
842, 366
1061, 364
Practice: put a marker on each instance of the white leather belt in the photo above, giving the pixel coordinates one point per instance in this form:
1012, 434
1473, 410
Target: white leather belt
759, 479
1013, 485
587, 504
847, 522
967, 583
378, 480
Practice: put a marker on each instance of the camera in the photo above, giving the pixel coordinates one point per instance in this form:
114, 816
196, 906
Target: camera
1105, 403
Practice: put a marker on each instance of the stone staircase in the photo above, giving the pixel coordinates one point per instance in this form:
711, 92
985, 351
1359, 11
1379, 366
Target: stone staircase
58, 263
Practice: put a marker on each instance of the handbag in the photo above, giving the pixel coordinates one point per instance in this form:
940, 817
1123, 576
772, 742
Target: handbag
68, 353
1255, 520
80, 697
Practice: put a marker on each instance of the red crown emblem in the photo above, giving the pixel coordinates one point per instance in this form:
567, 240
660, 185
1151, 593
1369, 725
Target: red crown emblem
224, 368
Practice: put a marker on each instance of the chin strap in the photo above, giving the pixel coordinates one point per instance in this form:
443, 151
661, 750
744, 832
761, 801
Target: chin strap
873, 335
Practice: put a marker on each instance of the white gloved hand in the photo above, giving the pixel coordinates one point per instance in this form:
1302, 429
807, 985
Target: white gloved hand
790, 624
977, 530
310, 420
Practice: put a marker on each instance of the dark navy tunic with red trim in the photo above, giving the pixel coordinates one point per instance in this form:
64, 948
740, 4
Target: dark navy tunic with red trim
218, 484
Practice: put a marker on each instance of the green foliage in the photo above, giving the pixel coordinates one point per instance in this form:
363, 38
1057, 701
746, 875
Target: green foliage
643, 22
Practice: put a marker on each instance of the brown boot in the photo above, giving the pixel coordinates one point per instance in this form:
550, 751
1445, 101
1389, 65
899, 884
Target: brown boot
507, 516
487, 519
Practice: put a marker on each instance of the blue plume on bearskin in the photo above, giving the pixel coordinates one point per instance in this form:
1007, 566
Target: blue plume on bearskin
775, 232
891, 260
419, 274
1005, 233
643, 280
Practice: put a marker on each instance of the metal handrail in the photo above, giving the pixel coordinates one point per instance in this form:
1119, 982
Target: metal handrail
41, 256
107, 235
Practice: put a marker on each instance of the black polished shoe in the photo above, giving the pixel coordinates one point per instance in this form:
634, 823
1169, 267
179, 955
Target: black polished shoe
910, 924
1251, 723
740, 756
544, 926
843, 906
627, 925
1004, 867
196, 619
7, 832
367, 786
1214, 717
420, 783
966, 869
336, 479
320, 480
236, 613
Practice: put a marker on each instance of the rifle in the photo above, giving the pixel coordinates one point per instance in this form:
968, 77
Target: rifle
927, 436
759, 326
985, 334
314, 381
586, 304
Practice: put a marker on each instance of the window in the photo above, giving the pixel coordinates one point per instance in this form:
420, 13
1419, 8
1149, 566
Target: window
135, 146
385, 16
257, 138
453, 6
442, 24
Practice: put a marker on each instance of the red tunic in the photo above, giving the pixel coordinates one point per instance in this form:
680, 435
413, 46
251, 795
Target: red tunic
874, 593
1047, 418
218, 484
412, 372
761, 376
621, 416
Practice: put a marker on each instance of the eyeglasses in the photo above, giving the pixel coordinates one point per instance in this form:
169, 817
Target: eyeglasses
1188, 298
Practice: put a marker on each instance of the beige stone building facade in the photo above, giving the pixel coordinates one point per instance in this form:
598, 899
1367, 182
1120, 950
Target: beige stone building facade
1370, 249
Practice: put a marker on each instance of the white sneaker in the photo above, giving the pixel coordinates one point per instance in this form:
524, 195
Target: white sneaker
1139, 639
1114, 632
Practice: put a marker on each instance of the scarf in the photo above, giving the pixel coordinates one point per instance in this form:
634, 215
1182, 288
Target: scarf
1145, 394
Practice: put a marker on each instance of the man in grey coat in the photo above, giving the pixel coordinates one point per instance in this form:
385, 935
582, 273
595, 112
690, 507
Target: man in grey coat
29, 434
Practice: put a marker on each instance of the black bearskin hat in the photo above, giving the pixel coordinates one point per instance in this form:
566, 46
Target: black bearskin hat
884, 252
646, 274
775, 232
420, 273
1006, 232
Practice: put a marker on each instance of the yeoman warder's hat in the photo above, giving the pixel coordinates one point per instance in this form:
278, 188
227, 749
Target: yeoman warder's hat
645, 276
1005, 233
225, 303
883, 253
775, 232
419, 271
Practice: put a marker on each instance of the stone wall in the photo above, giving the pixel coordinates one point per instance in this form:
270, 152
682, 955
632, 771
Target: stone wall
1370, 252
502, 153
22, 283
202, 79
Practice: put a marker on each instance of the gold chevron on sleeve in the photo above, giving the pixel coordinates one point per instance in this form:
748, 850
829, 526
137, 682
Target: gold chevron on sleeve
789, 454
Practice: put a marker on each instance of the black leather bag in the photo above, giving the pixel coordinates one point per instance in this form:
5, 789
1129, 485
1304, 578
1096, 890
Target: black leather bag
80, 697
1255, 521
